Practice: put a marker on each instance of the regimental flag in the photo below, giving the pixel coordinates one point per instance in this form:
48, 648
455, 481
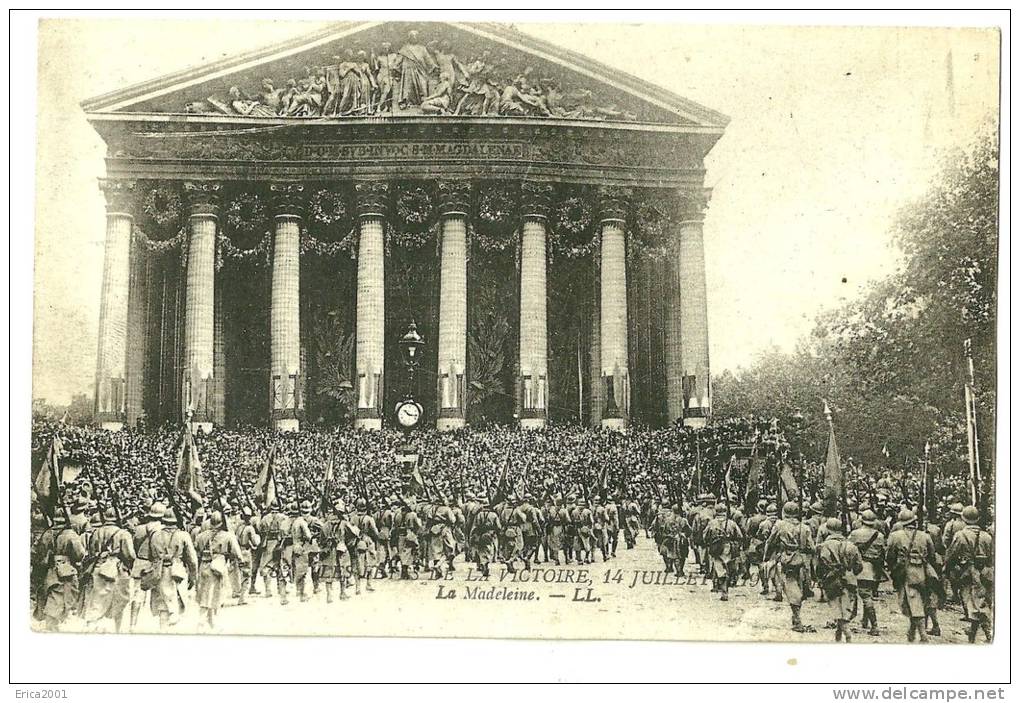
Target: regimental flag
788, 488
328, 480
832, 474
500, 492
753, 476
189, 468
47, 482
265, 486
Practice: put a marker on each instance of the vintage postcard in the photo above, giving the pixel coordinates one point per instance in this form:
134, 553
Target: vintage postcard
457, 329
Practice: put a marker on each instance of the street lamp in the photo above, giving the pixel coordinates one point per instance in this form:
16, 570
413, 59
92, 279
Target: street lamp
408, 410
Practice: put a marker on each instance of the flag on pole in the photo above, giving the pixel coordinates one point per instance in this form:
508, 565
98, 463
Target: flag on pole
788, 488
189, 468
973, 452
47, 482
753, 476
833, 472
265, 486
330, 471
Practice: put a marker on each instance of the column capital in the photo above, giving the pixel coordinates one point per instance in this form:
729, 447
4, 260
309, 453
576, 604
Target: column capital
454, 197
288, 199
203, 198
614, 203
372, 198
693, 205
536, 199
119, 194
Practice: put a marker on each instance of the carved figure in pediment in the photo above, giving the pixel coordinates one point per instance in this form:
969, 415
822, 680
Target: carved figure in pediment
387, 73
522, 97
416, 65
481, 94
244, 104
450, 66
438, 103
271, 96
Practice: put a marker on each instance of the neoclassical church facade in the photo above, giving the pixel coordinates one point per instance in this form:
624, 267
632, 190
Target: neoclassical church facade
276, 220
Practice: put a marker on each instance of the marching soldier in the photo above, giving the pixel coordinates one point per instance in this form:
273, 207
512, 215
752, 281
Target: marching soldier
409, 525
442, 545
970, 561
759, 531
612, 525
952, 526
386, 520
631, 522
150, 523
792, 546
64, 556
532, 530
301, 548
870, 543
722, 538
217, 548
554, 529
112, 553
334, 551
368, 541
484, 535
839, 562
173, 559
471, 506
600, 536
910, 558
248, 540
584, 522
268, 556
701, 517
569, 528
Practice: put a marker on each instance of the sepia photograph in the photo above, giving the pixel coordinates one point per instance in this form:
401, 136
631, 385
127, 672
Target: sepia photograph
629, 331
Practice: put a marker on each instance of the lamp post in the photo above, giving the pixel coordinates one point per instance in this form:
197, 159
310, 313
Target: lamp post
408, 411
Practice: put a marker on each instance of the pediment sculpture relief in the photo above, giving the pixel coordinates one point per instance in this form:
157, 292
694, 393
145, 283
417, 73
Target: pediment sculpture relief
417, 78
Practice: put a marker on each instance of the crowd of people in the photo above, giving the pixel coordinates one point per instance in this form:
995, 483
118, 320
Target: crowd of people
330, 511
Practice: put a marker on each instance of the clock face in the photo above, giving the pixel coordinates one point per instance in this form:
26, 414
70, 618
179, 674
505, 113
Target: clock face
408, 414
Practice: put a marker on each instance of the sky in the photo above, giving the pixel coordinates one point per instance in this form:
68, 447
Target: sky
833, 130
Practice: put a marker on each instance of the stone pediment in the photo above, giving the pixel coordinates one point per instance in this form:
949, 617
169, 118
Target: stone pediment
367, 71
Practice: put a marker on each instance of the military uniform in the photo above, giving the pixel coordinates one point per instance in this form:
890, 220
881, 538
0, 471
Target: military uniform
172, 554
839, 563
971, 561
792, 546
64, 556
409, 527
112, 553
723, 538
870, 543
216, 548
484, 537
910, 558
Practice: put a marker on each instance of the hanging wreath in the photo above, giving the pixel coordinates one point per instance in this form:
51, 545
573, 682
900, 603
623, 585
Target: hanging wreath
651, 232
573, 216
328, 207
246, 213
414, 209
572, 234
344, 246
228, 251
496, 218
163, 205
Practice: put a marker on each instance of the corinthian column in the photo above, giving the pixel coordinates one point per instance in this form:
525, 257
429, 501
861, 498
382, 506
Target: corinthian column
285, 311
371, 304
697, 386
450, 396
532, 384
613, 310
111, 358
197, 383
673, 343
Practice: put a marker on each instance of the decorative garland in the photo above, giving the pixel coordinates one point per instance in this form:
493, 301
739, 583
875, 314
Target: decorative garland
160, 247
414, 209
328, 207
226, 249
163, 205
345, 245
572, 233
246, 213
411, 239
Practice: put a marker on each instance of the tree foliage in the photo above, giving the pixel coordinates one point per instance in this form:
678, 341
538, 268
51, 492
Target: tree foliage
892, 363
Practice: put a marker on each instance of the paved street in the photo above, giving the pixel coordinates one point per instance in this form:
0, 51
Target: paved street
629, 598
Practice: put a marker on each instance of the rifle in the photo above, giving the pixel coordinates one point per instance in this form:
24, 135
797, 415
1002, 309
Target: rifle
171, 497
